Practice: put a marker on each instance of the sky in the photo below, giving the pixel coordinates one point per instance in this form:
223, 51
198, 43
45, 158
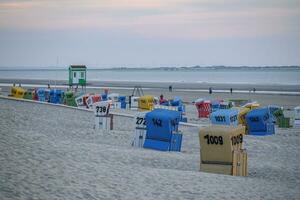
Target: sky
149, 33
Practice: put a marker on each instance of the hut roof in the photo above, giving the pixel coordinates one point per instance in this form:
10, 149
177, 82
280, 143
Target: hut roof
78, 66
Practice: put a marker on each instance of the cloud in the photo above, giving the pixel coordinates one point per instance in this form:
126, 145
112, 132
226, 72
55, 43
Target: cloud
260, 22
185, 19
15, 5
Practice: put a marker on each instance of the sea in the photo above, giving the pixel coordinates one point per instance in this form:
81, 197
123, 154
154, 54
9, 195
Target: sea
237, 75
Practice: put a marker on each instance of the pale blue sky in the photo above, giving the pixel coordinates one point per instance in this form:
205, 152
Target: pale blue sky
133, 33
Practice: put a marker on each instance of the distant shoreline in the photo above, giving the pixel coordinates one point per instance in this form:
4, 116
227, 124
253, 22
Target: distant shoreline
149, 68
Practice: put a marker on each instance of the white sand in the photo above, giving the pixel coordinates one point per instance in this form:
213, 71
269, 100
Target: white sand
48, 152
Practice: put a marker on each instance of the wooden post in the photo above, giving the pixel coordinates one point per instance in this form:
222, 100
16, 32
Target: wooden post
111, 121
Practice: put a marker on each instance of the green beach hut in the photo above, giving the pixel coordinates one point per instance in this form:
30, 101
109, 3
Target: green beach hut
77, 75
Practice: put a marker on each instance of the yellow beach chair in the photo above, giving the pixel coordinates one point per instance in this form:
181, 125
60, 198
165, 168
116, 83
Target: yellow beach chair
17, 92
146, 102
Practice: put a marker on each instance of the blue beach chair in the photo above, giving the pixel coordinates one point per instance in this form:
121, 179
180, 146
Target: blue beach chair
225, 117
162, 130
122, 100
56, 96
41, 94
260, 122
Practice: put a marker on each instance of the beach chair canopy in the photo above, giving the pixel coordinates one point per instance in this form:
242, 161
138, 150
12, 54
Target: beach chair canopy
29, 91
199, 100
177, 101
41, 92
215, 105
122, 98
225, 105
161, 123
69, 94
56, 92
242, 114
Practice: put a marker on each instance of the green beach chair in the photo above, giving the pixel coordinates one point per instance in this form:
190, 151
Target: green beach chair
28, 94
278, 114
283, 122
69, 99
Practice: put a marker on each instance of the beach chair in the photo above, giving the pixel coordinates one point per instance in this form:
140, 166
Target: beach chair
41, 94
146, 102
215, 105
17, 92
114, 98
162, 130
81, 100
122, 100
69, 99
28, 94
260, 122
47, 95
297, 115
278, 114
93, 98
133, 102
203, 108
104, 97
242, 112
227, 117
177, 103
283, 122
35, 95
56, 96
221, 150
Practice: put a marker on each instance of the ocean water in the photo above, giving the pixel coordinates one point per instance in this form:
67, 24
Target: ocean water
240, 75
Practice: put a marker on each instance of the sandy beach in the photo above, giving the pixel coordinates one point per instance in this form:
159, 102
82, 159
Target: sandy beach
49, 152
